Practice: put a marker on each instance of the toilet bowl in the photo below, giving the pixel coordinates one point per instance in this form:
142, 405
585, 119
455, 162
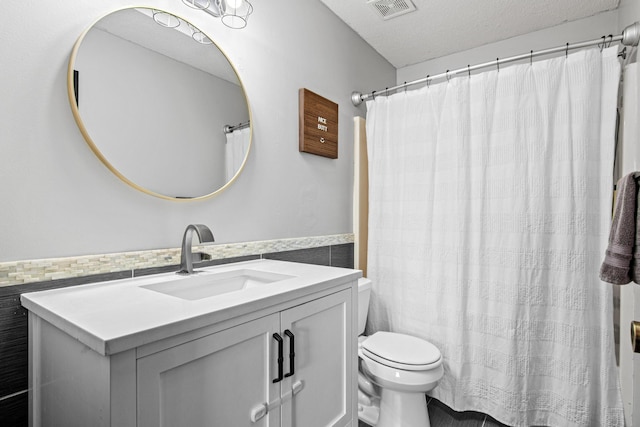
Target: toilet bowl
396, 370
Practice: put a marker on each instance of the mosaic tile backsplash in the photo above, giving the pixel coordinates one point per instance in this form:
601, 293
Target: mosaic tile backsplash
22, 272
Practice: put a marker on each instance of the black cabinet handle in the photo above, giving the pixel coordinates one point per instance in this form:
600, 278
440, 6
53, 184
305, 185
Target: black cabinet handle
292, 353
280, 357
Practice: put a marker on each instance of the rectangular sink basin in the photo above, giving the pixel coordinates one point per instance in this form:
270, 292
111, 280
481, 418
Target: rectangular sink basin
205, 285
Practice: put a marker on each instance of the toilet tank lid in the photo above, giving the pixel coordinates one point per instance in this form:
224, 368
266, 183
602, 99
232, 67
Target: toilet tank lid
364, 283
402, 349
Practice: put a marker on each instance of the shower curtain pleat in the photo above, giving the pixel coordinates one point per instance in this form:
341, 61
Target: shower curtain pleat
490, 202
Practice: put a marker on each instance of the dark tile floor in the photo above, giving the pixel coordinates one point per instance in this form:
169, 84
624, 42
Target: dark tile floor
440, 415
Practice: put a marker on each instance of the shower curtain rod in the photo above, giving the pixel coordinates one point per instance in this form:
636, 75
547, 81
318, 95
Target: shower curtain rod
231, 128
629, 37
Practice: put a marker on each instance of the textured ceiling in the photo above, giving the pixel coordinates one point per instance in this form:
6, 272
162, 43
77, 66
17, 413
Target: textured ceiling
442, 27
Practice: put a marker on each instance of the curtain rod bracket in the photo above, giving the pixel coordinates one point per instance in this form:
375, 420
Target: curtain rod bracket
356, 98
230, 128
631, 35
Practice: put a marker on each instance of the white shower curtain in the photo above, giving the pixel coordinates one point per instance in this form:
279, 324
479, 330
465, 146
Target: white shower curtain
236, 150
490, 202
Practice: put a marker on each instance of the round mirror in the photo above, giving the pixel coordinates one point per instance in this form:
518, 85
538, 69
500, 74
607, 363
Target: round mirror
159, 104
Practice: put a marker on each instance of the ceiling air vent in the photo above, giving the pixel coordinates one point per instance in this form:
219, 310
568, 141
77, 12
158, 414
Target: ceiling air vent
388, 9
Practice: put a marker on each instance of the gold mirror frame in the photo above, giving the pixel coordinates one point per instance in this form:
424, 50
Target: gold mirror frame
101, 156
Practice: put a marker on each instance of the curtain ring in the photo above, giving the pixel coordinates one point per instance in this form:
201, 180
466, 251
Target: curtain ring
610, 40
498, 64
373, 95
447, 74
566, 52
603, 41
405, 87
428, 81
469, 70
531, 58
623, 53
386, 91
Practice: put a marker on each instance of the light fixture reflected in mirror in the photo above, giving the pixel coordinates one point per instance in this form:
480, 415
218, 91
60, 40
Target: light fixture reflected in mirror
197, 4
199, 36
233, 13
165, 19
168, 20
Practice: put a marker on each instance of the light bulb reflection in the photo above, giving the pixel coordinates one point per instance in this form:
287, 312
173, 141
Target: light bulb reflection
234, 4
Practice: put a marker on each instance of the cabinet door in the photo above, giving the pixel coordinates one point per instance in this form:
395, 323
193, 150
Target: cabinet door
322, 331
213, 381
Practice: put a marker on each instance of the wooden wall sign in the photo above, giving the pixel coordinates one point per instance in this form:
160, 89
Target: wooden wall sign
318, 124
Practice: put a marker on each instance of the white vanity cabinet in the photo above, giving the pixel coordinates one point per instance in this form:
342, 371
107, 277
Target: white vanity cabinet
227, 378
283, 355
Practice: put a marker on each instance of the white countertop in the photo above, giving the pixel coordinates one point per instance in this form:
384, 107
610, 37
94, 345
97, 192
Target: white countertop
118, 315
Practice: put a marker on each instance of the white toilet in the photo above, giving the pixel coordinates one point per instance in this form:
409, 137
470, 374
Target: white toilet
396, 370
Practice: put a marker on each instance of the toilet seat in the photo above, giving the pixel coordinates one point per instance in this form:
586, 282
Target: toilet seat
401, 351
401, 379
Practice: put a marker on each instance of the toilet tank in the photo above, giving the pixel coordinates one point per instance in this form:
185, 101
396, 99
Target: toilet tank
364, 292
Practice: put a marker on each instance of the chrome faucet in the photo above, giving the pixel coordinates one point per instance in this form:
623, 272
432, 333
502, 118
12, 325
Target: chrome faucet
186, 257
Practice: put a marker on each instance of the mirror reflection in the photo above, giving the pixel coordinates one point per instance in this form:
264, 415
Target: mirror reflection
160, 105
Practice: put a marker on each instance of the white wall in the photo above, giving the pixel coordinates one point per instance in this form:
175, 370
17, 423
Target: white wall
584, 29
628, 13
59, 200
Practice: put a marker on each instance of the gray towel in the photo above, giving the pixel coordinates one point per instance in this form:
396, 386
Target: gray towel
617, 265
635, 261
